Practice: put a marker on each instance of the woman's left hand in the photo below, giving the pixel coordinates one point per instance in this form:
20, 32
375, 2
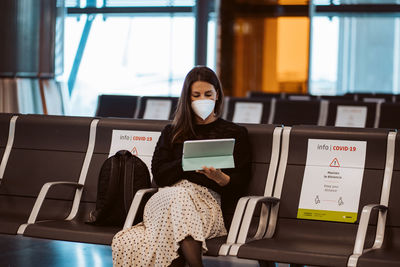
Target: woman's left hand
216, 175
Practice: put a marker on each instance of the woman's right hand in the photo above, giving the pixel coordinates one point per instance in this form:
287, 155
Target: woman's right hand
216, 175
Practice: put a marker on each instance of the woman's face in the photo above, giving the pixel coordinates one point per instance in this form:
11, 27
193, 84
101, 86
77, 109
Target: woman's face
203, 90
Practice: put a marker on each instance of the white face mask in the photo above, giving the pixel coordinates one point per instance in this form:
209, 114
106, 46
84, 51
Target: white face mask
203, 108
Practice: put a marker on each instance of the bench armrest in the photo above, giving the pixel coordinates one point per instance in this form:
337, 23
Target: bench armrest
247, 218
137, 200
362, 231
40, 199
235, 226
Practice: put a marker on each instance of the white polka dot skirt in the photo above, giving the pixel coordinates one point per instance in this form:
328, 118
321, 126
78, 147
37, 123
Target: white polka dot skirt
172, 214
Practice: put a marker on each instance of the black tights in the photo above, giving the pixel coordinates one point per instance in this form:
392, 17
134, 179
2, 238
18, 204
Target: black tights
191, 251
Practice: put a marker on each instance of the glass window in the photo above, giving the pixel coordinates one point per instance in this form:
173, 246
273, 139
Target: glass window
353, 2
354, 52
130, 55
357, 53
73, 31
367, 54
128, 3
324, 56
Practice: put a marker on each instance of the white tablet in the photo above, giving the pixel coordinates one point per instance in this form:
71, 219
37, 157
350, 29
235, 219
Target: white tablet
217, 153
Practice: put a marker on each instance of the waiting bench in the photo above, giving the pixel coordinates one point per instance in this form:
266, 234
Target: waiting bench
265, 146
386, 248
50, 149
64, 203
293, 239
74, 228
44, 149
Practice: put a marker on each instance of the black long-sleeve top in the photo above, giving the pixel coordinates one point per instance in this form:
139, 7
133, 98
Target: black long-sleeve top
167, 159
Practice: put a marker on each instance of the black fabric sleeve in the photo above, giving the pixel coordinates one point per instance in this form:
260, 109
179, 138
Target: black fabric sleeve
165, 166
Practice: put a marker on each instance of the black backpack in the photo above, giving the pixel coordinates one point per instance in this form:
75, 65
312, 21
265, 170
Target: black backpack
120, 177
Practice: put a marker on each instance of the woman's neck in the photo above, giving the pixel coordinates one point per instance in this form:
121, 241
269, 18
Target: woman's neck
208, 120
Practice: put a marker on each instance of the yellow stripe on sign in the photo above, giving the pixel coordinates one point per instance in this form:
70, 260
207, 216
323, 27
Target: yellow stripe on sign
327, 215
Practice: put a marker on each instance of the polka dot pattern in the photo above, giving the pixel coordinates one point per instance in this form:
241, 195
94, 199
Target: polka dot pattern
172, 214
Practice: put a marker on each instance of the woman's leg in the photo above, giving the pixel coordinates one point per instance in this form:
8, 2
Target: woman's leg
178, 262
192, 251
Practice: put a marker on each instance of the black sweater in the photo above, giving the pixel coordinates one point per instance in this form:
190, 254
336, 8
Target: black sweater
167, 159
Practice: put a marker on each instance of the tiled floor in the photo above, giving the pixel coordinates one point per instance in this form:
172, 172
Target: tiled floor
20, 251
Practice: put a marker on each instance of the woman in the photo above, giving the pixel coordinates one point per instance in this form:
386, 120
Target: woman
187, 209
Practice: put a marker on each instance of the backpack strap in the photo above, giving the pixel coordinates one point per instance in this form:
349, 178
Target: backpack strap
128, 176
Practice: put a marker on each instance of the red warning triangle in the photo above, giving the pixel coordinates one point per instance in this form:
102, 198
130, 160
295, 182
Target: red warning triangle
134, 151
334, 163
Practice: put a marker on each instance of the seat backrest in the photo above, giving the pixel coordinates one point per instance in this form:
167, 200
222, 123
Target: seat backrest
247, 110
46, 149
264, 144
371, 97
337, 97
389, 115
300, 97
157, 107
352, 114
393, 215
122, 106
291, 112
289, 189
255, 94
261, 141
261, 137
104, 138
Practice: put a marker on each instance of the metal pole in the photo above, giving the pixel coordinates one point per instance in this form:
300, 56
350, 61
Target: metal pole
201, 12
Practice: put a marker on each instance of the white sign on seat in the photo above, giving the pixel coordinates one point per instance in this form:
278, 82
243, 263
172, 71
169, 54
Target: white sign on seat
245, 112
139, 143
351, 116
157, 109
332, 180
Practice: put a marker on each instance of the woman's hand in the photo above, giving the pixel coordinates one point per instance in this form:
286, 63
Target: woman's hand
216, 175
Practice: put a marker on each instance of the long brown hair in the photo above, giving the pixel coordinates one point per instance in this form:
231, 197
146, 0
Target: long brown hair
184, 116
